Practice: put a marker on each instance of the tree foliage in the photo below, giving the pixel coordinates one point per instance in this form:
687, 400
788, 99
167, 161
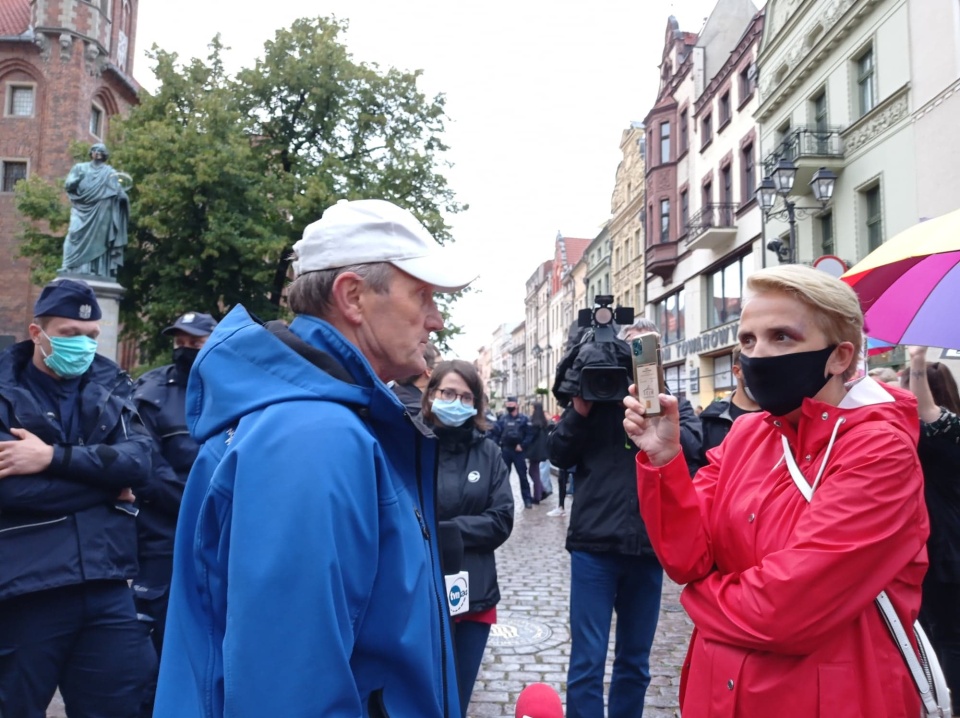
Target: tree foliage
229, 170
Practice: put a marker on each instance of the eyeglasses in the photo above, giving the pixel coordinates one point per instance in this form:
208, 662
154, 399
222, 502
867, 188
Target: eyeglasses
466, 398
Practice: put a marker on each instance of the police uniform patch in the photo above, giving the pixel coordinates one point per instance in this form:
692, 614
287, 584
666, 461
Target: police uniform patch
85, 311
188, 318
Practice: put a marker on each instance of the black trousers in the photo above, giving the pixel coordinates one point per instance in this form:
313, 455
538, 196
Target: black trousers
84, 639
515, 458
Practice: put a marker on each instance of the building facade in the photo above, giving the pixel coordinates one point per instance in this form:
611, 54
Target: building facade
66, 68
626, 225
836, 92
703, 225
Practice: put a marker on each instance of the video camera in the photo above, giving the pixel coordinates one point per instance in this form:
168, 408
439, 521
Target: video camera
597, 367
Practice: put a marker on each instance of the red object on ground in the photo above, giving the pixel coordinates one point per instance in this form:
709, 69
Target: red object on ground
538, 700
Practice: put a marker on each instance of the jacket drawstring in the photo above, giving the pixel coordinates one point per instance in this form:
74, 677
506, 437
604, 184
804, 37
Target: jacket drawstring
798, 477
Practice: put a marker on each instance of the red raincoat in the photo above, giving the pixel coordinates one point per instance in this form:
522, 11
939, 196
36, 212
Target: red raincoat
780, 590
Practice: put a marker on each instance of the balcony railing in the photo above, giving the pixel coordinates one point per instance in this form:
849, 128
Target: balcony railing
722, 216
803, 142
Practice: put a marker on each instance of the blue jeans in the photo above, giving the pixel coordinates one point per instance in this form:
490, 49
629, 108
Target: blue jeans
469, 642
601, 583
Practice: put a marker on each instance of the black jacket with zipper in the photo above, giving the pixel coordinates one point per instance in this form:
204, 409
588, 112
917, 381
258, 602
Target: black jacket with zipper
64, 525
473, 492
606, 512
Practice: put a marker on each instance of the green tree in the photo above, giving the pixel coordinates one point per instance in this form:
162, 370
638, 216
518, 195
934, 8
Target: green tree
330, 128
229, 170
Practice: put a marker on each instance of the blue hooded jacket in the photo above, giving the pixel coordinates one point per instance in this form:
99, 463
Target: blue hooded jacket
306, 571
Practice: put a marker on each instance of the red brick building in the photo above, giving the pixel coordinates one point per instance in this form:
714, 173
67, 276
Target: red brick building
66, 68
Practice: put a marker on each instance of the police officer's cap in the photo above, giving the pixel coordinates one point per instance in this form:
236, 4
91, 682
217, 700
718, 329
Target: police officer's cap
193, 323
68, 298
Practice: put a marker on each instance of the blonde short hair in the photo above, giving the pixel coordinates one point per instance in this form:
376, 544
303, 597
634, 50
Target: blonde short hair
835, 306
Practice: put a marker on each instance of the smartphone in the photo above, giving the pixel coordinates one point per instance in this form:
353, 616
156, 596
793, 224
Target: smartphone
648, 371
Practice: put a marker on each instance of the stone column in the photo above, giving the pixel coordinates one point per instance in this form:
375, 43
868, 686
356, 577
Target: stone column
108, 294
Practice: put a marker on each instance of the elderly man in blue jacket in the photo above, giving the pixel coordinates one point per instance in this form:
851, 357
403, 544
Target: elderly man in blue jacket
306, 577
71, 450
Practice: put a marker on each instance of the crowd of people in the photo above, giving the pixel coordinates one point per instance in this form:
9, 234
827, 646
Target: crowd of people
284, 519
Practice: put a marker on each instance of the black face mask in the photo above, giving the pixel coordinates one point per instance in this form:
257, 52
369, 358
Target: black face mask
183, 358
780, 384
511, 410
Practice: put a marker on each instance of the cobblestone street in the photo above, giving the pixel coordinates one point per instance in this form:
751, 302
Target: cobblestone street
531, 642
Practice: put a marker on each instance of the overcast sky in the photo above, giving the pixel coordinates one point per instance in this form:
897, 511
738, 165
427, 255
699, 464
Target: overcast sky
537, 95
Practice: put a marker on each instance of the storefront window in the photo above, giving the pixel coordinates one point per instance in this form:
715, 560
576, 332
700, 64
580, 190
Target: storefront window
725, 293
668, 316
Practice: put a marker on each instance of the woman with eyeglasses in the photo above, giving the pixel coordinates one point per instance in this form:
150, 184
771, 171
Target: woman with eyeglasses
474, 495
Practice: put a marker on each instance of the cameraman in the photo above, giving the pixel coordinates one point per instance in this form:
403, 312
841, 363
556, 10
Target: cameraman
513, 434
612, 564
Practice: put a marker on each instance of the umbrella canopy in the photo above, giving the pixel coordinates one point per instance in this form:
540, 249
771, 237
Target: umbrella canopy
910, 284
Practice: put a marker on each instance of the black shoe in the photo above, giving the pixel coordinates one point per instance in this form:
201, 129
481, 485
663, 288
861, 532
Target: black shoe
528, 504
546, 494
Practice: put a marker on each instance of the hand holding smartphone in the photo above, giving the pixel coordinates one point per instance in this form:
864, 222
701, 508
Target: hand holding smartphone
648, 371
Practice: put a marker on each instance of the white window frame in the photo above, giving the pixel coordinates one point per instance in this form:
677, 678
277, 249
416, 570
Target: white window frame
8, 97
94, 107
4, 161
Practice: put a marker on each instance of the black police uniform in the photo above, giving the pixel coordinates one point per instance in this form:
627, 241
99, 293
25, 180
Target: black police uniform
68, 546
509, 432
160, 398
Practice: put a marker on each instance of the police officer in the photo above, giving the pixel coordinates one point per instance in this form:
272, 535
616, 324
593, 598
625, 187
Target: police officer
160, 398
513, 434
72, 453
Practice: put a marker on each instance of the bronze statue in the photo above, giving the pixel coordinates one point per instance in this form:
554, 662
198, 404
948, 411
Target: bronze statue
98, 217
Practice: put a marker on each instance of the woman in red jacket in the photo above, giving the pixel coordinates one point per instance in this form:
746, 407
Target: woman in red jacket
804, 513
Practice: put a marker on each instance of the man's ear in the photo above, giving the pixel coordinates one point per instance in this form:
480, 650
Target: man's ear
347, 297
35, 333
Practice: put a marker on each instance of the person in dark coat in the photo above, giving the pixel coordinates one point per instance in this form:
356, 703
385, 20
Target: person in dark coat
612, 563
540, 427
72, 454
512, 433
717, 418
474, 495
939, 450
160, 397
410, 390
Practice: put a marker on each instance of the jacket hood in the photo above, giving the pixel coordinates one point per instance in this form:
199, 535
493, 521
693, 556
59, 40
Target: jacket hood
244, 367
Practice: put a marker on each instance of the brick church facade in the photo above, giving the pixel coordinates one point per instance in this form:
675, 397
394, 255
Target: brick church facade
66, 68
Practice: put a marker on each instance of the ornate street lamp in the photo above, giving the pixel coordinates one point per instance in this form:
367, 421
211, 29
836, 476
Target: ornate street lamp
780, 184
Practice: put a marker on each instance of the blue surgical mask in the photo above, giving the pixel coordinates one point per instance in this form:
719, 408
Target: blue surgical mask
452, 413
71, 356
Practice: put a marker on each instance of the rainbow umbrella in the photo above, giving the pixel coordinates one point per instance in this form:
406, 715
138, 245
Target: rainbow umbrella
878, 346
910, 285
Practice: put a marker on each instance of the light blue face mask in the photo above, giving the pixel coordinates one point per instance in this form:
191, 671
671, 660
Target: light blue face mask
452, 413
71, 357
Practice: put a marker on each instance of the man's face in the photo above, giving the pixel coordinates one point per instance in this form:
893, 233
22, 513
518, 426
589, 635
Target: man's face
58, 327
182, 339
396, 326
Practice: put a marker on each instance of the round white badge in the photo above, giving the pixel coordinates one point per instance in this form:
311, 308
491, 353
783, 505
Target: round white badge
473, 477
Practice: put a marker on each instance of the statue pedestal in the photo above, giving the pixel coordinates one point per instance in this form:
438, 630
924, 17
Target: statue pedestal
108, 294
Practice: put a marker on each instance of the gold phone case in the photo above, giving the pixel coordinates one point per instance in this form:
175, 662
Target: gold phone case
648, 371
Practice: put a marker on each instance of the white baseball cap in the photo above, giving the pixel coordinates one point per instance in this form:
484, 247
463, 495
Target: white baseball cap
373, 230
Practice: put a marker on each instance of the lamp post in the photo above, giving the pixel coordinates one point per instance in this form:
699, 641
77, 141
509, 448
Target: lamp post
779, 183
